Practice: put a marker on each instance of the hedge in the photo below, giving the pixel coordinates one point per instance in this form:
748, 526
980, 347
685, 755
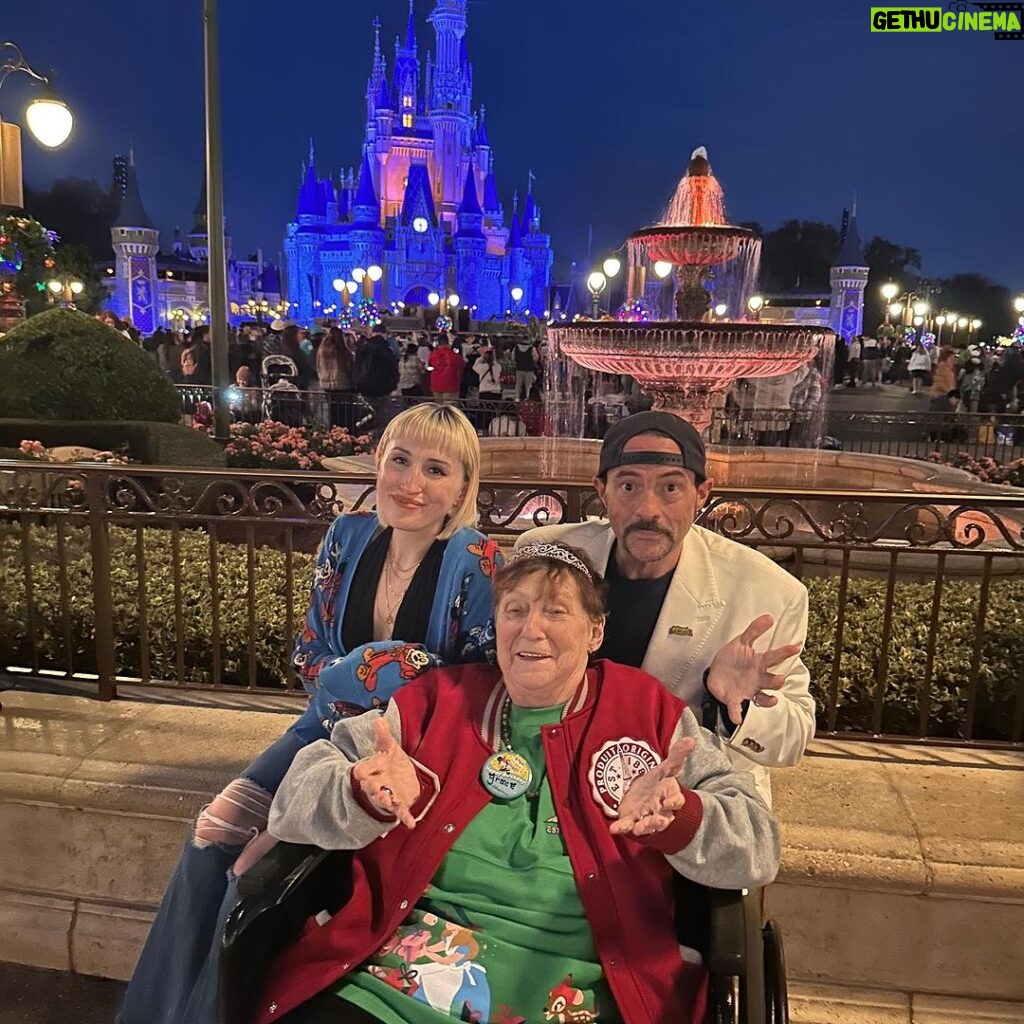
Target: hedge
1001, 662
65, 365
153, 444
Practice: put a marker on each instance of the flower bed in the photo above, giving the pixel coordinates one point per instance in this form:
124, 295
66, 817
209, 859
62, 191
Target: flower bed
273, 445
986, 469
1001, 659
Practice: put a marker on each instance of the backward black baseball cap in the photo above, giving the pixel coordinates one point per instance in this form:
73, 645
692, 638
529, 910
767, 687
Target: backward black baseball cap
691, 445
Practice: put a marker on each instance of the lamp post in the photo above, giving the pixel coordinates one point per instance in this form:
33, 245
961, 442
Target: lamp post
373, 274
66, 287
596, 284
517, 296
889, 292
47, 117
971, 328
341, 286
360, 278
611, 268
940, 321
755, 303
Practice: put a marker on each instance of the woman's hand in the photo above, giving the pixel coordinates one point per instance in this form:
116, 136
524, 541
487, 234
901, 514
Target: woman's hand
653, 798
388, 777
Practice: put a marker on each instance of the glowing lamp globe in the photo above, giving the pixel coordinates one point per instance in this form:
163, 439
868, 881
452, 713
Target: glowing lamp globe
454, 300
338, 284
55, 286
49, 120
755, 302
358, 274
433, 298
975, 324
662, 268
77, 287
889, 291
920, 308
516, 293
895, 309
721, 309
962, 322
374, 273
1018, 304
940, 320
596, 282
612, 266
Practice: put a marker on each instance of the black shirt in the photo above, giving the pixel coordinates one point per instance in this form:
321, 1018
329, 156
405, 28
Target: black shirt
413, 614
633, 610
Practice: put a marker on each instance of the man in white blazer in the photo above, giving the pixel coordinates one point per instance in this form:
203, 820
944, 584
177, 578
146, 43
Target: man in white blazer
718, 623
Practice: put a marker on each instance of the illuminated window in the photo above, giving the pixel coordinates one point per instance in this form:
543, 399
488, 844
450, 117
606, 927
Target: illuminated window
407, 101
407, 120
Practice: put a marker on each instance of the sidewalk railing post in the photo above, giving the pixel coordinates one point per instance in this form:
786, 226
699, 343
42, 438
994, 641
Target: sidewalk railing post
96, 486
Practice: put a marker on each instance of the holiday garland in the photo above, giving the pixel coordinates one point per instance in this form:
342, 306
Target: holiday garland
26, 254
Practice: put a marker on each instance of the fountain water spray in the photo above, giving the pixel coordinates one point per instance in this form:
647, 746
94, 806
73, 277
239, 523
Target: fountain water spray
687, 364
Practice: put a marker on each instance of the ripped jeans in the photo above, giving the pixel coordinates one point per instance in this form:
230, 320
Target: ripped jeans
175, 980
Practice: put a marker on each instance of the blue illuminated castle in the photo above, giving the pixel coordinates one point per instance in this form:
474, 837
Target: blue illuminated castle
424, 206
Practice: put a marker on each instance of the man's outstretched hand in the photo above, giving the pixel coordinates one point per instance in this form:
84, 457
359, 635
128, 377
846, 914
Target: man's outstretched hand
652, 799
740, 673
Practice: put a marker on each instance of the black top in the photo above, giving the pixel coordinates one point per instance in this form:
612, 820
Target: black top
413, 614
633, 609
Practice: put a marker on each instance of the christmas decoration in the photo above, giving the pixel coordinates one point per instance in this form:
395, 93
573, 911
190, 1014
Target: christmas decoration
634, 310
367, 312
444, 322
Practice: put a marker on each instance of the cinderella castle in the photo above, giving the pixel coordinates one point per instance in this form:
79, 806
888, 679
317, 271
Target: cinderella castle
424, 206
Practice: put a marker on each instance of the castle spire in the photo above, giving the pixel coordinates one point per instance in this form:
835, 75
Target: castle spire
366, 206
132, 213
481, 128
410, 29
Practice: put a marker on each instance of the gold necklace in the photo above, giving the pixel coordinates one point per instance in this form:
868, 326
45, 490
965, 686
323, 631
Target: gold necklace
392, 606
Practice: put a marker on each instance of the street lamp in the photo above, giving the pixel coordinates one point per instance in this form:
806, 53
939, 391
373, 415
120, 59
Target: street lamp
662, 268
47, 117
755, 304
596, 284
890, 290
454, 300
373, 274
721, 309
340, 285
67, 287
940, 321
895, 309
433, 298
611, 267
1018, 304
920, 309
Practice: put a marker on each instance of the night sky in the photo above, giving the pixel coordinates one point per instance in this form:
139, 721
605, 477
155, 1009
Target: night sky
798, 103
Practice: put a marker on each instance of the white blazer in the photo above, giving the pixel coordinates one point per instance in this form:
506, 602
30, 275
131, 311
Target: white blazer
719, 587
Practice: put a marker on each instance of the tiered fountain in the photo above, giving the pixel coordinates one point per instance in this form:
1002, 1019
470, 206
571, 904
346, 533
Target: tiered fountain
683, 364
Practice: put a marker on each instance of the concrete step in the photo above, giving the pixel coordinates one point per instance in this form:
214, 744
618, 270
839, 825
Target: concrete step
903, 867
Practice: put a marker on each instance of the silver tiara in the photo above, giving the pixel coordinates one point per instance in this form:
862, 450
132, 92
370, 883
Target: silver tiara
555, 551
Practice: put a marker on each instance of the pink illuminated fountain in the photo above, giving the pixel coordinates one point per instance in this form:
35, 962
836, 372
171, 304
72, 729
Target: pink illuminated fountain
686, 365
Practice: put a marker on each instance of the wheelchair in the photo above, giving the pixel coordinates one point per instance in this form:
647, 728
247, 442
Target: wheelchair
292, 883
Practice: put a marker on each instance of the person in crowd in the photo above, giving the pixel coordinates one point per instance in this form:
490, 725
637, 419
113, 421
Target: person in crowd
290, 342
948, 426
375, 374
920, 366
246, 400
445, 367
971, 384
682, 597
944, 374
526, 359
410, 372
854, 351
334, 369
870, 361
839, 364
805, 401
423, 350
394, 592
488, 374
505, 354
527, 820
469, 347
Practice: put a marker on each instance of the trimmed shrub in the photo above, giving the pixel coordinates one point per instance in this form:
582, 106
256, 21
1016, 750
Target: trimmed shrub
154, 444
64, 365
1001, 656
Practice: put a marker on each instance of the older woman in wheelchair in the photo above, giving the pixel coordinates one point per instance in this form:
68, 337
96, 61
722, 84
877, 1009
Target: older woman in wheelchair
516, 833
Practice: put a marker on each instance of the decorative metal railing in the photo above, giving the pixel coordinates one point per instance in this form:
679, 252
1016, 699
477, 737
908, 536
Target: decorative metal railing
199, 579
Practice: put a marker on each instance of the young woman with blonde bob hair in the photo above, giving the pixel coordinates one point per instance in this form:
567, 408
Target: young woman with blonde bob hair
395, 592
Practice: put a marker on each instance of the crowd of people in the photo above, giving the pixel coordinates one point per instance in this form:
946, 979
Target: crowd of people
354, 369
976, 378
521, 755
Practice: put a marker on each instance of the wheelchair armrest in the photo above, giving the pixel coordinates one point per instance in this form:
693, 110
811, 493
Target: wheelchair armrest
734, 929
274, 867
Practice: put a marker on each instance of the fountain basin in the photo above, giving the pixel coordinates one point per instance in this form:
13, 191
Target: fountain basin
698, 245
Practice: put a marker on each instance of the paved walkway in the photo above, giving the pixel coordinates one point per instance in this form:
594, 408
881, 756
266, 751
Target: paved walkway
30, 995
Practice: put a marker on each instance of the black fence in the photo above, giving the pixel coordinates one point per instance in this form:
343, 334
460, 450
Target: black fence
199, 579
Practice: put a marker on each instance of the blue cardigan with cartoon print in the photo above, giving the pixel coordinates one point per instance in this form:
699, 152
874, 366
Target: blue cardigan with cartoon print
460, 628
